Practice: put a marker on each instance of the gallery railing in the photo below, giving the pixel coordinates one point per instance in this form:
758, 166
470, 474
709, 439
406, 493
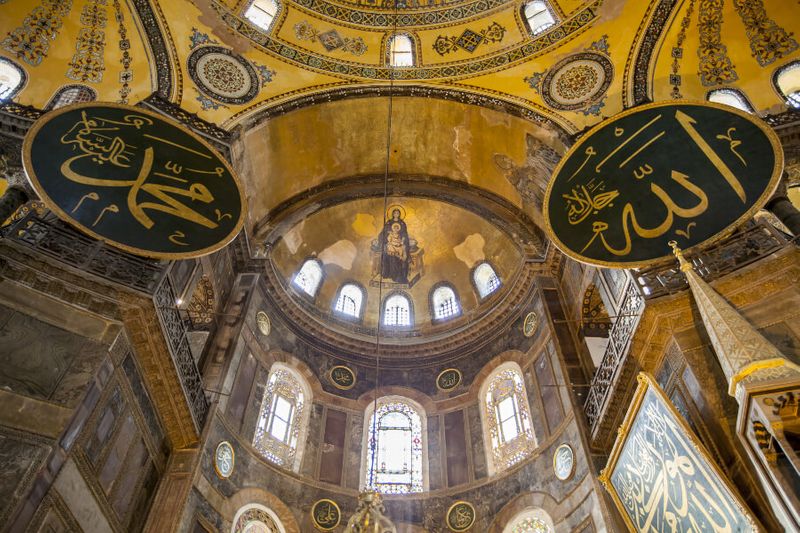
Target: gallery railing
755, 240
55, 239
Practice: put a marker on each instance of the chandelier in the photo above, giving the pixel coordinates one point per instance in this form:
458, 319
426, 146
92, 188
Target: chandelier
369, 517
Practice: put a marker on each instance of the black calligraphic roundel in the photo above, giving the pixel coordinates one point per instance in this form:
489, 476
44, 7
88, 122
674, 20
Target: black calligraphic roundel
689, 172
134, 179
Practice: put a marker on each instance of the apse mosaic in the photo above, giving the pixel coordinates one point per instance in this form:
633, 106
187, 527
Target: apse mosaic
397, 258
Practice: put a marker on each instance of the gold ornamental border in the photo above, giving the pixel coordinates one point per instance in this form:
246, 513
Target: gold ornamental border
263, 323
457, 371
27, 165
530, 317
233, 459
447, 516
646, 381
340, 387
572, 467
320, 526
777, 172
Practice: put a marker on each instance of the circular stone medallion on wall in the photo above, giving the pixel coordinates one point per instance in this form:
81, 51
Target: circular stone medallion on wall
460, 516
576, 81
224, 459
263, 322
530, 324
223, 75
448, 379
342, 377
564, 462
326, 515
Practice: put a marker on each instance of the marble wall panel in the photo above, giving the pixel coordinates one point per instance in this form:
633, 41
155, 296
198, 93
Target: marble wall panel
435, 453
554, 412
352, 463
72, 488
241, 390
479, 467
456, 443
330, 466
21, 456
144, 402
254, 406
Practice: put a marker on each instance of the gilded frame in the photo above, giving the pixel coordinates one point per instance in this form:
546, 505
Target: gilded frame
775, 178
447, 516
27, 164
233, 459
460, 379
647, 382
572, 468
317, 524
330, 377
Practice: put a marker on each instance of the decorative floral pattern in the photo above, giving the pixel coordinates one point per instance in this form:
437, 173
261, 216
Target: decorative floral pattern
87, 64
31, 41
330, 40
126, 74
469, 40
530, 525
716, 67
768, 41
677, 52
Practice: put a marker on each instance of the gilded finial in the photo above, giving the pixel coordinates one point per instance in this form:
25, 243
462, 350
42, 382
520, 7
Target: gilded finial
686, 266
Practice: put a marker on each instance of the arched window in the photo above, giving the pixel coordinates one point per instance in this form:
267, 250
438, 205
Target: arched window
444, 303
309, 277
485, 279
395, 460
255, 518
401, 50
262, 13
72, 94
349, 300
539, 16
12, 78
787, 80
506, 417
397, 311
530, 520
283, 418
730, 97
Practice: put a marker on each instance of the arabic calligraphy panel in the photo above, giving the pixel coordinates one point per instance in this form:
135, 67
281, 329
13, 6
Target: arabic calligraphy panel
326, 515
460, 516
684, 171
662, 479
134, 179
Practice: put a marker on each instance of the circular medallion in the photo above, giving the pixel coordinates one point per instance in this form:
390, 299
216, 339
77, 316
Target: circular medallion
135, 179
223, 75
263, 322
460, 516
689, 172
224, 459
577, 80
326, 515
530, 324
342, 377
448, 379
564, 462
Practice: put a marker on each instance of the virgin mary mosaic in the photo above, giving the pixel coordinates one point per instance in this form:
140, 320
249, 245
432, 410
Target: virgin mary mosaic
396, 256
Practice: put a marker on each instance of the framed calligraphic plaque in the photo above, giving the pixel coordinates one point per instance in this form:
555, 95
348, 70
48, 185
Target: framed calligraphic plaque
448, 379
662, 478
685, 171
134, 179
326, 515
342, 377
460, 516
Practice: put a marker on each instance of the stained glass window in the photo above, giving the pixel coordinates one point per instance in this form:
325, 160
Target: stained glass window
506, 415
539, 16
309, 277
788, 82
401, 51
11, 78
394, 458
486, 280
397, 311
282, 418
349, 300
256, 518
444, 303
729, 97
262, 13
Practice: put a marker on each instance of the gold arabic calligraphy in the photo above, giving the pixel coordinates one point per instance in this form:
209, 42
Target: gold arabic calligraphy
591, 199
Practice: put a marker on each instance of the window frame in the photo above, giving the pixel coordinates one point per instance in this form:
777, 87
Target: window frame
272, 23
23, 80
790, 100
396, 327
736, 93
545, 29
432, 307
387, 50
530, 513
475, 283
341, 314
299, 289
365, 456
63, 89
